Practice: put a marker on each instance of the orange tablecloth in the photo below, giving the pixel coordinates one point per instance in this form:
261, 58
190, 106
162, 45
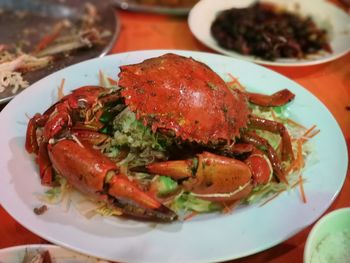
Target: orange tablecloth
329, 82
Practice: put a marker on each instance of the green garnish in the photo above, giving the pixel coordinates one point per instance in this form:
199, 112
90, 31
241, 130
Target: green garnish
165, 185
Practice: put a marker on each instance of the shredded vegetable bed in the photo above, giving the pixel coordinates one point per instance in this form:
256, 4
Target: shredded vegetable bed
132, 145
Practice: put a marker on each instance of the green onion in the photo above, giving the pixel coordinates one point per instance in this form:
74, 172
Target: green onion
165, 185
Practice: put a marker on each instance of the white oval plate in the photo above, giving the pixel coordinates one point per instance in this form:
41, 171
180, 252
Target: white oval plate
132, 5
58, 254
325, 14
205, 238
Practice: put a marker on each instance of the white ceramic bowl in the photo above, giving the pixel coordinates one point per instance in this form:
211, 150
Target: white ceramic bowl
330, 237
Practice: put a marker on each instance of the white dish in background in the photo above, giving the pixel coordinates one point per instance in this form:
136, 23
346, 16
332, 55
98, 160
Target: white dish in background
325, 14
132, 5
58, 254
205, 238
329, 238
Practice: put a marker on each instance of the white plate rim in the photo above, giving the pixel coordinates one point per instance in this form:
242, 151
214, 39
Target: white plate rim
195, 16
164, 232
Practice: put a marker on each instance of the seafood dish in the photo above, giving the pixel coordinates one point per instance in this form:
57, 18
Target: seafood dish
167, 3
167, 140
36, 43
267, 31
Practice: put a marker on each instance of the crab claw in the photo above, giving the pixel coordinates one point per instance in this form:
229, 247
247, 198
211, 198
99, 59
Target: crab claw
260, 166
94, 174
209, 176
259, 142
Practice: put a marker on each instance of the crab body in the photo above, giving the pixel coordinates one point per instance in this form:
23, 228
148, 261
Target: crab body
185, 96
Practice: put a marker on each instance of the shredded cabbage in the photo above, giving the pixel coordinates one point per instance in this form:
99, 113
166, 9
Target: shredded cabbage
164, 185
144, 146
187, 202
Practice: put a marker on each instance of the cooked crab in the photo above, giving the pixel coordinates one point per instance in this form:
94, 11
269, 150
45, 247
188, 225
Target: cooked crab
180, 98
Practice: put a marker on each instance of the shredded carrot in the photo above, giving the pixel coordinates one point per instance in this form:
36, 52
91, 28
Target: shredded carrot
291, 167
301, 187
48, 39
314, 134
228, 207
309, 130
272, 197
290, 121
279, 148
191, 215
60, 93
310, 133
105, 81
274, 117
281, 191
233, 79
295, 184
298, 162
301, 162
112, 81
235, 82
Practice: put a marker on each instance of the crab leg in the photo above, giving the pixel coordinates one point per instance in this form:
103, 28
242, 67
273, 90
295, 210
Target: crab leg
275, 127
94, 174
45, 167
89, 136
36, 121
237, 149
279, 98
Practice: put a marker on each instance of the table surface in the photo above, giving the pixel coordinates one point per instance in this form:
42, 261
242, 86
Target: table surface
330, 82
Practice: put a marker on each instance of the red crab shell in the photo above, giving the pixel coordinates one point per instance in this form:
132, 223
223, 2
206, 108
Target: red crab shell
176, 93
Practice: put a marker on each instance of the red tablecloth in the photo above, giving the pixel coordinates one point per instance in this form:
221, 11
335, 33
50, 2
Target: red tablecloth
329, 82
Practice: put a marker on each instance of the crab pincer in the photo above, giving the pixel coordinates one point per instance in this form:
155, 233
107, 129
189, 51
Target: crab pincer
94, 174
63, 139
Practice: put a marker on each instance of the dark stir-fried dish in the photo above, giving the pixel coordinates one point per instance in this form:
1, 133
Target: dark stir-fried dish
167, 3
169, 139
269, 32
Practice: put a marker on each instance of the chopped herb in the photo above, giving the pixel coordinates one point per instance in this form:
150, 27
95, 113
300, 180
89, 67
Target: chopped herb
165, 185
212, 86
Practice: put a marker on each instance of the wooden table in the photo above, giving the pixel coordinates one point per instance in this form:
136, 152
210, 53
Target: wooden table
329, 82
